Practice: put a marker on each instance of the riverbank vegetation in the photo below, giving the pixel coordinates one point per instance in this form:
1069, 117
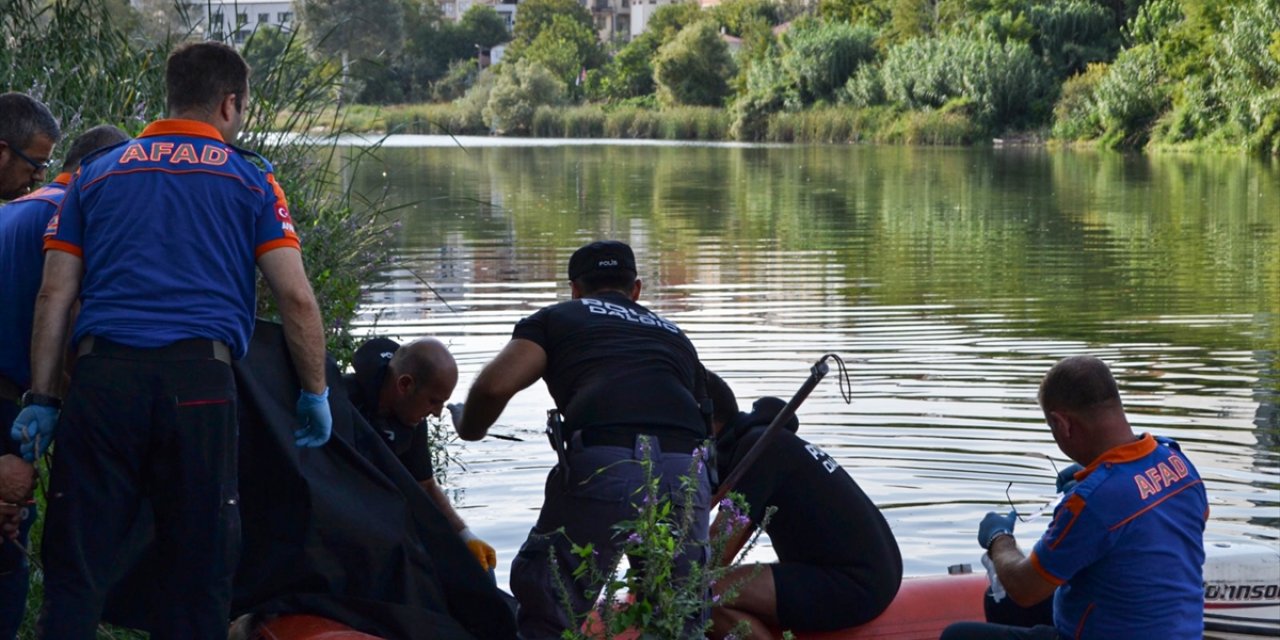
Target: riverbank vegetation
1110, 73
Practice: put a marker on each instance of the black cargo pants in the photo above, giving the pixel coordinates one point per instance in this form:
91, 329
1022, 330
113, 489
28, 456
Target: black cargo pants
144, 424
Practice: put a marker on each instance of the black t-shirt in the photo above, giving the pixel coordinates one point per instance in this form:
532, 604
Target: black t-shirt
822, 516
409, 443
613, 364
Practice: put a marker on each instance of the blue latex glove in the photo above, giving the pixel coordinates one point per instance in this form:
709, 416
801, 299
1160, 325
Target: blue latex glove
1067, 477
34, 429
314, 416
994, 524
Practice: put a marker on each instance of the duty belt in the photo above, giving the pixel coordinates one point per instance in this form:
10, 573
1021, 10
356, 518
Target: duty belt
192, 349
667, 444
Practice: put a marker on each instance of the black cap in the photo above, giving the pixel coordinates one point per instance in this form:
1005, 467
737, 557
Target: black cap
603, 255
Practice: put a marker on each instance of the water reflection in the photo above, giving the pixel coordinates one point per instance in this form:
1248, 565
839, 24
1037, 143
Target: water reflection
949, 279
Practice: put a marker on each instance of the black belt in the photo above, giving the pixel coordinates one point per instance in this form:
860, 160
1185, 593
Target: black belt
192, 349
667, 444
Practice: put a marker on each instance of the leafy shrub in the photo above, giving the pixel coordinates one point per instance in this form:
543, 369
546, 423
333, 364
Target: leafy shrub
950, 125
1153, 21
694, 68
1245, 70
865, 88
1006, 81
768, 91
651, 599
582, 122
516, 95
1072, 34
1075, 116
460, 76
565, 47
819, 57
1130, 96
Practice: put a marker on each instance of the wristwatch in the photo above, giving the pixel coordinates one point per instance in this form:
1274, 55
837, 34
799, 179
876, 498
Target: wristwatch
40, 399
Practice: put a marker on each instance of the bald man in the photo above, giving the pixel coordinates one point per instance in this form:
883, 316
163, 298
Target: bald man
395, 388
1123, 555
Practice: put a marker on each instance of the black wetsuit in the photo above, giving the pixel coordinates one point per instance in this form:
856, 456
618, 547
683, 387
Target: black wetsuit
838, 562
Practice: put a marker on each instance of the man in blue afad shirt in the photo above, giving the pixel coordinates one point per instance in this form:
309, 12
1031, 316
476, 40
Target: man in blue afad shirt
22, 225
158, 238
1122, 557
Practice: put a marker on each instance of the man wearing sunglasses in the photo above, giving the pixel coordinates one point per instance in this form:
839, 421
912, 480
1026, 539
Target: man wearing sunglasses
22, 226
1122, 557
28, 133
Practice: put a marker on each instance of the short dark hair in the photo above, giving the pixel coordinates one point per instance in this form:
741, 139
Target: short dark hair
1078, 383
606, 281
103, 135
724, 405
199, 75
22, 118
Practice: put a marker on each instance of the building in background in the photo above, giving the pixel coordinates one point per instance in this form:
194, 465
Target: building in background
232, 20
454, 9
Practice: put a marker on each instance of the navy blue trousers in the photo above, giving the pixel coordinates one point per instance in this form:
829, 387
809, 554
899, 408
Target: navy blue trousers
601, 492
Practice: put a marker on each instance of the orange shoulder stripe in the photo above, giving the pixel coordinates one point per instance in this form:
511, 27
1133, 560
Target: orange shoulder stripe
278, 243
51, 244
1044, 573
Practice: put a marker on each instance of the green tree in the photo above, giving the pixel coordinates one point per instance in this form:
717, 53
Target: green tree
873, 13
1131, 95
629, 74
667, 21
694, 68
1072, 34
536, 15
738, 16
565, 47
354, 29
519, 91
483, 26
819, 57
911, 19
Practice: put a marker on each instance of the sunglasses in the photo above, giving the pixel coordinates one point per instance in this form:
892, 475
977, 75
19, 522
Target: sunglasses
1030, 516
38, 166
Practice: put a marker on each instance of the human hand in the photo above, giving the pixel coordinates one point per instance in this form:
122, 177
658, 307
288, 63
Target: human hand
1067, 477
10, 520
34, 429
17, 479
995, 524
485, 555
455, 414
314, 416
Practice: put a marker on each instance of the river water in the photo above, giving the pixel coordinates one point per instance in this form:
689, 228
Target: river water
949, 280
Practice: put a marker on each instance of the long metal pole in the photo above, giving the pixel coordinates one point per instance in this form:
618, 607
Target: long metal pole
816, 374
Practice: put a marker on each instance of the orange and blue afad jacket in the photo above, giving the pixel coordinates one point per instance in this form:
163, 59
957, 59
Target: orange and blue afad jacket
22, 225
170, 225
1126, 546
